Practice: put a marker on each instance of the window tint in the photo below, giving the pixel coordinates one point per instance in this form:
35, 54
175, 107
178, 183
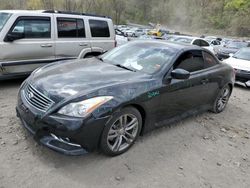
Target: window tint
99, 28
33, 27
197, 42
204, 43
209, 60
70, 28
190, 61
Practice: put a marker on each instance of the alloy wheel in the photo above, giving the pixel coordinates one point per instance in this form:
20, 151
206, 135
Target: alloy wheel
123, 132
223, 99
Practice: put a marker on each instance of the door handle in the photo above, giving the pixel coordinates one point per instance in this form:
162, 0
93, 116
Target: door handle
46, 45
83, 44
205, 81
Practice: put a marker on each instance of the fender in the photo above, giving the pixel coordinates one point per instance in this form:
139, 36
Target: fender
84, 52
89, 50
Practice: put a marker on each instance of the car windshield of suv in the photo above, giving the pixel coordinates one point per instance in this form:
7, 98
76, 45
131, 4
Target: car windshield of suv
243, 53
147, 58
3, 19
236, 44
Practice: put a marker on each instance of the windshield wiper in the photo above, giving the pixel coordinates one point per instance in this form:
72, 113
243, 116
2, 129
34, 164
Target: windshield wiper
124, 67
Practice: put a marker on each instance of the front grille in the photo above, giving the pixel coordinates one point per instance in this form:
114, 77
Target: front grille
37, 99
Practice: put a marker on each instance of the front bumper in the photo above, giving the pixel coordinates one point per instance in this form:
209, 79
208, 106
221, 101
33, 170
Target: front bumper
68, 135
243, 78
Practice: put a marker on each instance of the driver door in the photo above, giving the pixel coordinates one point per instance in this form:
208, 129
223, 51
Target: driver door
179, 97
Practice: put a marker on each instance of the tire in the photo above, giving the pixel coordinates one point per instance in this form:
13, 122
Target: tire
222, 99
121, 132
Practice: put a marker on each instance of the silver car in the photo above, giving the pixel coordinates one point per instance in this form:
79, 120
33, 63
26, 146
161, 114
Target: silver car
30, 39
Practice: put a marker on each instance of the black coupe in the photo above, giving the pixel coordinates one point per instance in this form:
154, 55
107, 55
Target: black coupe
106, 102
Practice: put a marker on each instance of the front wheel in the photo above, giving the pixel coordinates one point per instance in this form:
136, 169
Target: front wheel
121, 131
222, 99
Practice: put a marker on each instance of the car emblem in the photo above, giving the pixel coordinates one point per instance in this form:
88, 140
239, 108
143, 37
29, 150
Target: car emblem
30, 95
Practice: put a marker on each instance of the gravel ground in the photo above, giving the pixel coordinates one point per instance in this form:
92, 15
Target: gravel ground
208, 150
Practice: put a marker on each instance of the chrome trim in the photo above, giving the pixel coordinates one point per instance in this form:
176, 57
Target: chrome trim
37, 99
64, 141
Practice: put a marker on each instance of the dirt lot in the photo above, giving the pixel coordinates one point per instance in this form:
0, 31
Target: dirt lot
209, 150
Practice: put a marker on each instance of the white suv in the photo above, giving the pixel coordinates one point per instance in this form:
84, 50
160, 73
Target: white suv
30, 39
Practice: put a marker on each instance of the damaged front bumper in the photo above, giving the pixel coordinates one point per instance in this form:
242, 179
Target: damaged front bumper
67, 135
62, 145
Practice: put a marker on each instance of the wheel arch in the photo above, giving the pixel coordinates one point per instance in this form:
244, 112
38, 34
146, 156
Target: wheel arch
142, 112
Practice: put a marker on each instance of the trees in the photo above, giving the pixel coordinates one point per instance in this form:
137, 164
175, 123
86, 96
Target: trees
227, 16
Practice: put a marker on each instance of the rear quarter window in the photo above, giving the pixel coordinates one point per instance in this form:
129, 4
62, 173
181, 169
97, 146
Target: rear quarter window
209, 60
99, 28
70, 28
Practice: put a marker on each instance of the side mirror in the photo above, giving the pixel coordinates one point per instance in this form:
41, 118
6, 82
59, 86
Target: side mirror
180, 74
13, 36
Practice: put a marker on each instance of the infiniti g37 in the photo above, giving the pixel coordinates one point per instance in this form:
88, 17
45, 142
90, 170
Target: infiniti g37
105, 103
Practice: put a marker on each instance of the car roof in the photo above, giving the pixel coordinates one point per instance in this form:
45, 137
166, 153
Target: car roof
189, 37
52, 12
170, 44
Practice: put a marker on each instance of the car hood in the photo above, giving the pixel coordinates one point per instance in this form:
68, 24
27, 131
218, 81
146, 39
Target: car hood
80, 77
227, 50
238, 63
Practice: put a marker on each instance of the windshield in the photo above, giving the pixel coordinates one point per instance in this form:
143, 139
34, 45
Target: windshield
144, 57
3, 19
243, 53
237, 44
183, 40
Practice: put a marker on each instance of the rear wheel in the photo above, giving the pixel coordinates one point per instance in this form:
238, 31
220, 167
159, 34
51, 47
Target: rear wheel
222, 99
121, 132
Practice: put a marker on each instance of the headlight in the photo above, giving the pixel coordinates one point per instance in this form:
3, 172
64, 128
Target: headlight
83, 108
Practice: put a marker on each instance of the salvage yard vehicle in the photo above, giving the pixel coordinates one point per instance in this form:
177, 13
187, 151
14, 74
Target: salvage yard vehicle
106, 102
194, 41
30, 39
222, 52
121, 38
240, 61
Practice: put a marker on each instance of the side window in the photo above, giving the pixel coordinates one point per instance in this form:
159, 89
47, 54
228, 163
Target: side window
190, 61
204, 43
70, 28
197, 42
99, 28
209, 60
32, 27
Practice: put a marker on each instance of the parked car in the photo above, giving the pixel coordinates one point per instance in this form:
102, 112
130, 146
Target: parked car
213, 42
139, 32
194, 41
231, 47
30, 39
121, 38
106, 102
240, 61
131, 32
